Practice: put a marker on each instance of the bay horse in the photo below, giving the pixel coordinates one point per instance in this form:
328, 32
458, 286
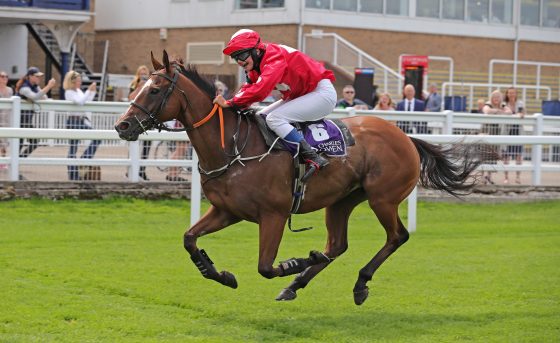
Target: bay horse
243, 180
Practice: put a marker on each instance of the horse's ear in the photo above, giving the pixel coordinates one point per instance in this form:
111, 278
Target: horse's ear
155, 63
166, 61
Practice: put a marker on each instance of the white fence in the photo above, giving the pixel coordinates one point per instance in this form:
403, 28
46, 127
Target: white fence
545, 132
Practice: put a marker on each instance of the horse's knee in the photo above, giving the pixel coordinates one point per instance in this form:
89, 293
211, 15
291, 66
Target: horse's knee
403, 237
189, 241
397, 240
267, 272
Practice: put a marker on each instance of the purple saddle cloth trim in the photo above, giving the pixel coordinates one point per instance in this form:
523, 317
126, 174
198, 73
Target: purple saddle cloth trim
323, 135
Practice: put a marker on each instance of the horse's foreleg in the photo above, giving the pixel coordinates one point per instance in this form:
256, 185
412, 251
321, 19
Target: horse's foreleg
214, 220
397, 235
337, 217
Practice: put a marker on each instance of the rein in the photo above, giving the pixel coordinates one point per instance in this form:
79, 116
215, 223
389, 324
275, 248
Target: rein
209, 116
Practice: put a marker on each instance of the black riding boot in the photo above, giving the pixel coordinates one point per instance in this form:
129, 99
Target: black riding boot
311, 157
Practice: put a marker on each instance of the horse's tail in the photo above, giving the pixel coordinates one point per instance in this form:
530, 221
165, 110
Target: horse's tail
450, 169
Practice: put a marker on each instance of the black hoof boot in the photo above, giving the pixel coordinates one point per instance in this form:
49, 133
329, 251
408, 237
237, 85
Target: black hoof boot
360, 296
286, 295
228, 279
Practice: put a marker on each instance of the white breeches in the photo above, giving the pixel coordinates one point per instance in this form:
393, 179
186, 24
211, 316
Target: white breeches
309, 107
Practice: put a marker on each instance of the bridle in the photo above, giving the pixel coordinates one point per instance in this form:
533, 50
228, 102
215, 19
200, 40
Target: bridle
152, 121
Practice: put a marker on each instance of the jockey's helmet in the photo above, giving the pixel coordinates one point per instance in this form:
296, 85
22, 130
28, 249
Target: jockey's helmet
241, 41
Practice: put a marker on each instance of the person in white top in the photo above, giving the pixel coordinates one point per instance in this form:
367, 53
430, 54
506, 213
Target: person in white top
73, 92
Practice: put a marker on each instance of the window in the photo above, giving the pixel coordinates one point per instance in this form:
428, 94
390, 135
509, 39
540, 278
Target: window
323, 4
272, 3
371, 6
530, 10
551, 13
397, 7
477, 10
502, 11
205, 53
453, 9
427, 8
251, 4
346, 5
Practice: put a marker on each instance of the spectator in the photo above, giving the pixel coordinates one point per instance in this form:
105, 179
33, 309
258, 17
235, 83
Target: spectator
513, 151
72, 91
411, 104
433, 101
494, 106
349, 99
385, 103
479, 106
142, 75
306, 86
5, 92
179, 153
221, 89
28, 89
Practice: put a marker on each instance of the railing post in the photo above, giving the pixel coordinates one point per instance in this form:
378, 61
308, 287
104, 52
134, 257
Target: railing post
134, 155
14, 142
536, 155
412, 204
448, 129
196, 192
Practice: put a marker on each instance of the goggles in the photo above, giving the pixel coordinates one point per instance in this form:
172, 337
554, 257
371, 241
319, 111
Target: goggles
242, 55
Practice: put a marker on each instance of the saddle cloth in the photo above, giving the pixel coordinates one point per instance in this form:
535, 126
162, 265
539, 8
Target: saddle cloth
328, 136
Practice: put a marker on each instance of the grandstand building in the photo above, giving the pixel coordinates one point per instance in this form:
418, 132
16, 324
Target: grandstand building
461, 37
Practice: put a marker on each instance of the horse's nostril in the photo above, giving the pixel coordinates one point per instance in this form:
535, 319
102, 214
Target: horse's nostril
123, 126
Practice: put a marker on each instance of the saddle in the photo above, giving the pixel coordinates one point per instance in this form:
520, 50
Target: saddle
328, 136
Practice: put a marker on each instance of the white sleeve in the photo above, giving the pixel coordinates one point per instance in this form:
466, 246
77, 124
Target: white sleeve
31, 95
90, 95
77, 97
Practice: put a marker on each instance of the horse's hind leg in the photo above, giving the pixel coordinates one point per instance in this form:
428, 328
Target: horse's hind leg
337, 216
397, 235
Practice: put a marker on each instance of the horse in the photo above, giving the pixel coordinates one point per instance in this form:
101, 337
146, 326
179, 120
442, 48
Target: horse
245, 180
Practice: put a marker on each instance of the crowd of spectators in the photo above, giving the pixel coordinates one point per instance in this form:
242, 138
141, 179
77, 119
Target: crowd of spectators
29, 89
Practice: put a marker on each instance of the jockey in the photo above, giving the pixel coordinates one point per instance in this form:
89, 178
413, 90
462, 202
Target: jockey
306, 87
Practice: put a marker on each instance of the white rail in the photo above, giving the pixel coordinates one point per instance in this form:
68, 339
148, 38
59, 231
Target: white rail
448, 120
339, 57
514, 64
491, 87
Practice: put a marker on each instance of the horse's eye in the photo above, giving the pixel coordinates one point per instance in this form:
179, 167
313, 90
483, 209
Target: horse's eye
154, 91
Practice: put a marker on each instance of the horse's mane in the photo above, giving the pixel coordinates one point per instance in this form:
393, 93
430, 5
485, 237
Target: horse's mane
190, 72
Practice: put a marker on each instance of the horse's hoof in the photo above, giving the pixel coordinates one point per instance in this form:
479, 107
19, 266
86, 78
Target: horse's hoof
286, 295
228, 279
361, 296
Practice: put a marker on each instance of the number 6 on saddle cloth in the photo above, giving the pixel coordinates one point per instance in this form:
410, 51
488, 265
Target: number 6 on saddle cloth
330, 137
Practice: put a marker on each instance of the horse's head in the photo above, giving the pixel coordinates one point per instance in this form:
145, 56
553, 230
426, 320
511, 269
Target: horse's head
158, 101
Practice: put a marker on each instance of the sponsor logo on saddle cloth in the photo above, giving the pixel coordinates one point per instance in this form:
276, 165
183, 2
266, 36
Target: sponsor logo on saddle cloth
323, 135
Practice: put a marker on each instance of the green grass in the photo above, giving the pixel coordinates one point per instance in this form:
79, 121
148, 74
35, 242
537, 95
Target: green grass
116, 271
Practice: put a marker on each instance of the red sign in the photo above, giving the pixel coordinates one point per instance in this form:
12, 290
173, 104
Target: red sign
409, 61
